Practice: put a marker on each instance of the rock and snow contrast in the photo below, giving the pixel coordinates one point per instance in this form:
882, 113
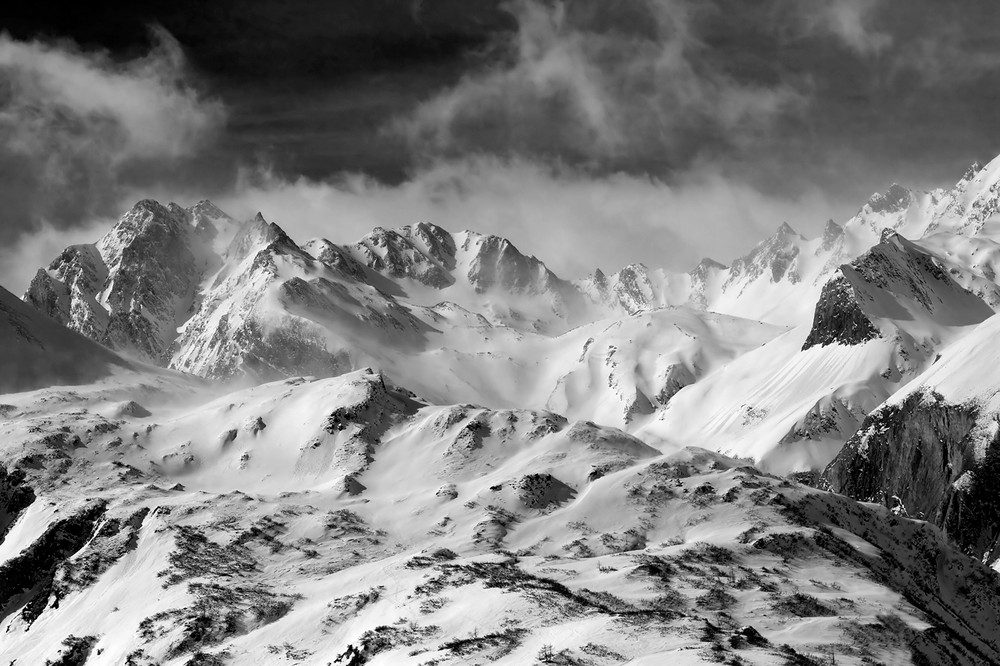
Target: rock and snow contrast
223, 445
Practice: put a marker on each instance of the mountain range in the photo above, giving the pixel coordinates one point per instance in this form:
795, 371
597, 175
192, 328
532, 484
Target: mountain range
223, 445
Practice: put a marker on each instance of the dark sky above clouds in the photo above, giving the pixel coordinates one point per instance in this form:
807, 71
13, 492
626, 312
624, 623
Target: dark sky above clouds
648, 119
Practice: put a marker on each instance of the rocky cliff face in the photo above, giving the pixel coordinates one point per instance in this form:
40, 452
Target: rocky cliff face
894, 200
773, 258
131, 289
927, 459
839, 318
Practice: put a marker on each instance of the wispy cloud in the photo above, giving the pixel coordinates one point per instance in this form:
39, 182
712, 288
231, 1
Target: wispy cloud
572, 220
852, 22
944, 57
71, 122
588, 81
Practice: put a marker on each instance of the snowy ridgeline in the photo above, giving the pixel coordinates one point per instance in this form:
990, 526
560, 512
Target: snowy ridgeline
487, 462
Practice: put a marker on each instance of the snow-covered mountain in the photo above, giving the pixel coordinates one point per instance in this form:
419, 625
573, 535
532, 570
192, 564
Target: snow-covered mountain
425, 447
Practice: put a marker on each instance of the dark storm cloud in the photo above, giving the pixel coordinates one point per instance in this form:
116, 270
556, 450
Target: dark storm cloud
843, 94
254, 39
623, 84
658, 129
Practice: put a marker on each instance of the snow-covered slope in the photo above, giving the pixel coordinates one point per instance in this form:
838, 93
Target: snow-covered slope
37, 352
274, 310
791, 403
302, 521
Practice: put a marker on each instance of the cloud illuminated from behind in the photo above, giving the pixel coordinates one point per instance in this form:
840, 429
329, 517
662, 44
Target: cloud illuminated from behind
72, 123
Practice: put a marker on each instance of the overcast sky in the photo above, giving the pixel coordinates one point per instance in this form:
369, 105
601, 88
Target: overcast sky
590, 132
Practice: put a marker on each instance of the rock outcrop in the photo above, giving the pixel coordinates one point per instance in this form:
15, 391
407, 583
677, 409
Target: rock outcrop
839, 317
926, 458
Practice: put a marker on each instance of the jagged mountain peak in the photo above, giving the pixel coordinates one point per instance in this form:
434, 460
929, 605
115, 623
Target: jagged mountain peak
148, 205
422, 252
429, 229
785, 229
893, 200
336, 257
496, 262
774, 256
129, 291
209, 209
897, 290
839, 317
708, 263
635, 268
149, 216
256, 235
831, 231
146, 217
902, 282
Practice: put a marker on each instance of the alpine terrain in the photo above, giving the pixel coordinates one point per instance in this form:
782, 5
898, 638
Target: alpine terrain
222, 445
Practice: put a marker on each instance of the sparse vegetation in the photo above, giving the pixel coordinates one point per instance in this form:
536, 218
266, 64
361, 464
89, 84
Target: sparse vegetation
716, 599
803, 605
706, 553
76, 651
503, 642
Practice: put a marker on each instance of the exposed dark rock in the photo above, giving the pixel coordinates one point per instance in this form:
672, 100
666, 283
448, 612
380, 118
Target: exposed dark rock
27, 578
131, 408
832, 233
633, 288
699, 280
895, 199
538, 491
113, 539
839, 318
751, 636
639, 405
774, 256
921, 457
49, 296
674, 378
424, 253
15, 497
